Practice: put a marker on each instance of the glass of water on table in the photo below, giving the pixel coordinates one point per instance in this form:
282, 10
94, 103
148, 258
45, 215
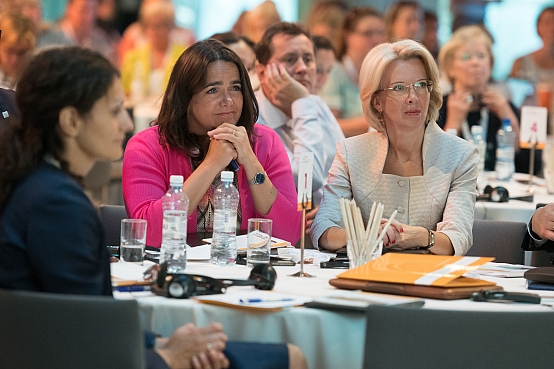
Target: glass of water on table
259, 241
133, 239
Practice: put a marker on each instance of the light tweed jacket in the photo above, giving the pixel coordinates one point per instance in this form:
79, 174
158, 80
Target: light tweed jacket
443, 199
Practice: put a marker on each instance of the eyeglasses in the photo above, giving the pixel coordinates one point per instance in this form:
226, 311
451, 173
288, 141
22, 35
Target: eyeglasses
469, 56
421, 88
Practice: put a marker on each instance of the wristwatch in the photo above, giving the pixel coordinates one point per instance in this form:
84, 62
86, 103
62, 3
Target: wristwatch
258, 179
430, 240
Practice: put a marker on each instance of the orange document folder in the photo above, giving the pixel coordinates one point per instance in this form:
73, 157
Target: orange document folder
420, 275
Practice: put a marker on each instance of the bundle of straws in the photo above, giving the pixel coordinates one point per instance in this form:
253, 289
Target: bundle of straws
365, 240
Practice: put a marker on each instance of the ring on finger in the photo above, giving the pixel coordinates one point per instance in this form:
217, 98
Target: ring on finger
235, 132
209, 346
469, 99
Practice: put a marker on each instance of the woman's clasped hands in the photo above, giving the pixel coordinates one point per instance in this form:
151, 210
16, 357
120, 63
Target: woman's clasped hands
229, 142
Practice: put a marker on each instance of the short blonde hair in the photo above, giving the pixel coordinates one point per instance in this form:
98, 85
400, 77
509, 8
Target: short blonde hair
463, 36
153, 8
374, 66
18, 30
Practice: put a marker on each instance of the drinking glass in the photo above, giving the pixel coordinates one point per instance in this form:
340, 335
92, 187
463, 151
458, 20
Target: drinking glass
259, 241
133, 239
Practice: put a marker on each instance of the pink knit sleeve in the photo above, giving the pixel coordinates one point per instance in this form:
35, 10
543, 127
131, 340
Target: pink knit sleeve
145, 180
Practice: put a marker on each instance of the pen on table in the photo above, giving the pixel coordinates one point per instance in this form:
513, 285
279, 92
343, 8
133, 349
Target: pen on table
132, 288
249, 301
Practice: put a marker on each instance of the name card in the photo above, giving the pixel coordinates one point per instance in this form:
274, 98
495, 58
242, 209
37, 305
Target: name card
533, 127
304, 190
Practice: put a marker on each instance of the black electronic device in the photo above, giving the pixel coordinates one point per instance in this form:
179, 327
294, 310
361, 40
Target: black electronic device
500, 194
503, 296
183, 286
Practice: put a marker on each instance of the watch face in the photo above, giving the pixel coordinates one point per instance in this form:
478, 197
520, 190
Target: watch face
259, 178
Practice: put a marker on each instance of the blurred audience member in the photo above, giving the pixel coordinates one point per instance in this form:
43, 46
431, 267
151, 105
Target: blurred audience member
362, 30
259, 19
404, 20
105, 19
16, 45
287, 71
467, 61
134, 36
325, 58
46, 33
146, 69
79, 27
325, 19
245, 49
539, 65
430, 37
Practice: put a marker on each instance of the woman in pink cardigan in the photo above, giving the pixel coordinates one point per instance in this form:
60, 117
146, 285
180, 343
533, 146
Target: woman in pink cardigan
206, 120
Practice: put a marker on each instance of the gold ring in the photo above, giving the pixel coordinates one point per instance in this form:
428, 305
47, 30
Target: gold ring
209, 346
235, 132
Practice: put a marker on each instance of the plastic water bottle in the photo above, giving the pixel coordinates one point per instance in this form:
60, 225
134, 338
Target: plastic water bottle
226, 201
505, 152
175, 205
479, 142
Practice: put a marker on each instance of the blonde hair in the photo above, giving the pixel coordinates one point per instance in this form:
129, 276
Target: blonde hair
374, 66
463, 36
150, 9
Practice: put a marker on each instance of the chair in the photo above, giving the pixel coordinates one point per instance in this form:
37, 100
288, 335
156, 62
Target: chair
501, 239
427, 338
44, 330
111, 216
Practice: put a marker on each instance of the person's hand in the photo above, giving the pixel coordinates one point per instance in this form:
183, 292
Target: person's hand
310, 216
220, 153
542, 222
238, 138
401, 236
459, 104
193, 347
496, 102
281, 89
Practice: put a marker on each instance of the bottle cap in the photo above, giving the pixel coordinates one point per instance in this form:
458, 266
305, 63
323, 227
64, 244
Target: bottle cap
506, 122
176, 181
476, 129
227, 176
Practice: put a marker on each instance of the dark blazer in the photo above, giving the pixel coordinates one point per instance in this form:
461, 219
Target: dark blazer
52, 240
8, 107
529, 245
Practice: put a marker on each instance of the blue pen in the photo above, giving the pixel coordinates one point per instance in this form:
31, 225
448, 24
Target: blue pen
250, 301
132, 288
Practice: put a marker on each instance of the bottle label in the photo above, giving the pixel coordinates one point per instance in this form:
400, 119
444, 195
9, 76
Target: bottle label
225, 220
175, 225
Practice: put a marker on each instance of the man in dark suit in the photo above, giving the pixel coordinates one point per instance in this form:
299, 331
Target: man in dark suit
540, 231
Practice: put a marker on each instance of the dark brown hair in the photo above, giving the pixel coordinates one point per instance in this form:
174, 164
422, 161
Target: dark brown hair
264, 48
351, 20
188, 78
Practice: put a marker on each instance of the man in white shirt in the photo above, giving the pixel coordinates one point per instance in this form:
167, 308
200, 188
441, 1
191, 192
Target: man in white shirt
286, 68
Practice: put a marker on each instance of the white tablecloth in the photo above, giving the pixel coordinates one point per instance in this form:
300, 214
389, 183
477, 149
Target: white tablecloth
513, 210
328, 339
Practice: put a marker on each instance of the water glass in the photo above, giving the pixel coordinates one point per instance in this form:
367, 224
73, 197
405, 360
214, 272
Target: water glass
259, 241
133, 239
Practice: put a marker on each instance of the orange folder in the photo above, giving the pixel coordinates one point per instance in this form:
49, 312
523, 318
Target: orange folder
433, 276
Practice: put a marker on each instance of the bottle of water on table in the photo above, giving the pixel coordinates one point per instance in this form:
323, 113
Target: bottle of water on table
175, 205
505, 152
226, 201
479, 142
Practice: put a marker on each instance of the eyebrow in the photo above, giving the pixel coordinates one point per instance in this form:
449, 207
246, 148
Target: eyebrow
219, 83
421, 79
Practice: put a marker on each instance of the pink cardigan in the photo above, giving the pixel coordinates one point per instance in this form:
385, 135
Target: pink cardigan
147, 166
